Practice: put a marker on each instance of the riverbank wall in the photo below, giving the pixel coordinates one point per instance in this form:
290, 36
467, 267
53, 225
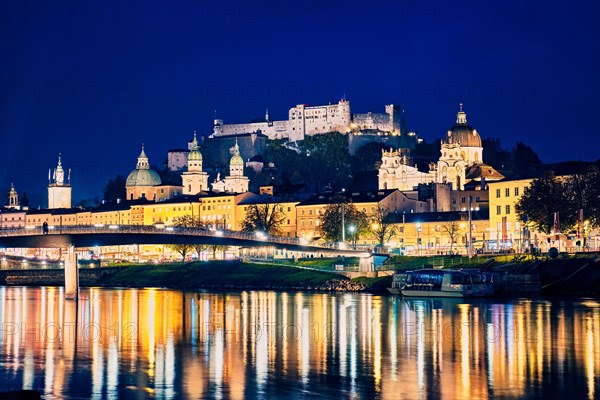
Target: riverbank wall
569, 277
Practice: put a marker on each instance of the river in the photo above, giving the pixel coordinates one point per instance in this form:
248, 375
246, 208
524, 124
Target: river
155, 343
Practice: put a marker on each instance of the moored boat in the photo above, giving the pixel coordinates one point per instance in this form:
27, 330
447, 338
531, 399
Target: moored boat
442, 283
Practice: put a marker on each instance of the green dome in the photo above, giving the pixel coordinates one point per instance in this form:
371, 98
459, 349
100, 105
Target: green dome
236, 159
143, 177
194, 155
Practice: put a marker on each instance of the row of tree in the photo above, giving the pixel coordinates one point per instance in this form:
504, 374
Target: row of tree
549, 194
269, 217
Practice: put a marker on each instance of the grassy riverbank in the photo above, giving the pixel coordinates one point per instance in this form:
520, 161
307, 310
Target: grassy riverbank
236, 275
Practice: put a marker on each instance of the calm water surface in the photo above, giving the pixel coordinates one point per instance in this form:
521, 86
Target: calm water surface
152, 343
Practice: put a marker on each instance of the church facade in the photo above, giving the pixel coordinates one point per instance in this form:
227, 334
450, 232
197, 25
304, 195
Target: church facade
235, 182
460, 162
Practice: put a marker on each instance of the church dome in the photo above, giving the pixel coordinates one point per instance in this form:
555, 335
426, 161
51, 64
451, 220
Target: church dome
463, 133
194, 154
236, 159
143, 175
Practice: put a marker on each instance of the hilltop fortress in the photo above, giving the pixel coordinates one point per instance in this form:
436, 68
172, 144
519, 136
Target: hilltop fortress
308, 120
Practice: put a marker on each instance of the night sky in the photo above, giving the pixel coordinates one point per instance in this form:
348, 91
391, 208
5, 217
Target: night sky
95, 79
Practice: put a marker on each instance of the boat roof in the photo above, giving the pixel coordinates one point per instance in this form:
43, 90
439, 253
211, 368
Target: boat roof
436, 271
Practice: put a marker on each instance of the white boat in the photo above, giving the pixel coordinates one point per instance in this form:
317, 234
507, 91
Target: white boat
442, 283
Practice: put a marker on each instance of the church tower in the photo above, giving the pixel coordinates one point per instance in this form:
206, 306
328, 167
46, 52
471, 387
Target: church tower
13, 198
194, 179
59, 191
461, 155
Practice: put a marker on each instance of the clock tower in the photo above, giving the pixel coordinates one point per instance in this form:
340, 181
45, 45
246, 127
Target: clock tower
59, 191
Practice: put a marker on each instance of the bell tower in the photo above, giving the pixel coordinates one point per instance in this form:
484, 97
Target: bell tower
194, 180
59, 191
13, 198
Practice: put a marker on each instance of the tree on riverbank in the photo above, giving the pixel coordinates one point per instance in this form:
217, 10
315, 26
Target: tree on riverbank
381, 225
187, 221
267, 218
356, 222
452, 231
565, 195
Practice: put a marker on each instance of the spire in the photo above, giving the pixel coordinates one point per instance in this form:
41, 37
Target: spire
267, 115
236, 148
59, 173
461, 117
194, 145
13, 197
142, 153
143, 160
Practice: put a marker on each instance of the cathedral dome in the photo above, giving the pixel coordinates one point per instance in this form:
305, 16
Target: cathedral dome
143, 175
463, 133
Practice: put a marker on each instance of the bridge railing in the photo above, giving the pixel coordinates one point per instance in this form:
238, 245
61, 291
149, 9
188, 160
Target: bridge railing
147, 229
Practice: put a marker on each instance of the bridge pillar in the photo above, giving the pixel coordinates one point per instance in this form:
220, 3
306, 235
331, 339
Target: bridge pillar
366, 264
71, 274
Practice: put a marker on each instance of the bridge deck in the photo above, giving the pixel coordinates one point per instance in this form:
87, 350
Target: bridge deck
90, 236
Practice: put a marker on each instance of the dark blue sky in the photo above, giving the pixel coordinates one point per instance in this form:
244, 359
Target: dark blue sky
94, 79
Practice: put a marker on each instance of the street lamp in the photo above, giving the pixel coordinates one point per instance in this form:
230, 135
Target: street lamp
419, 238
343, 243
352, 228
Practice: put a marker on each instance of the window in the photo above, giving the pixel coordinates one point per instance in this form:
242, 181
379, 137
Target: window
508, 208
507, 192
516, 191
498, 210
497, 192
463, 199
478, 199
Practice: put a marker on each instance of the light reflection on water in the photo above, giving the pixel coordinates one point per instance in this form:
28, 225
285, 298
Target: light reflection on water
131, 343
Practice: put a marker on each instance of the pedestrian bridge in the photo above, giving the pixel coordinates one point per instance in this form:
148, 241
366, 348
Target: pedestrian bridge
118, 235
73, 237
